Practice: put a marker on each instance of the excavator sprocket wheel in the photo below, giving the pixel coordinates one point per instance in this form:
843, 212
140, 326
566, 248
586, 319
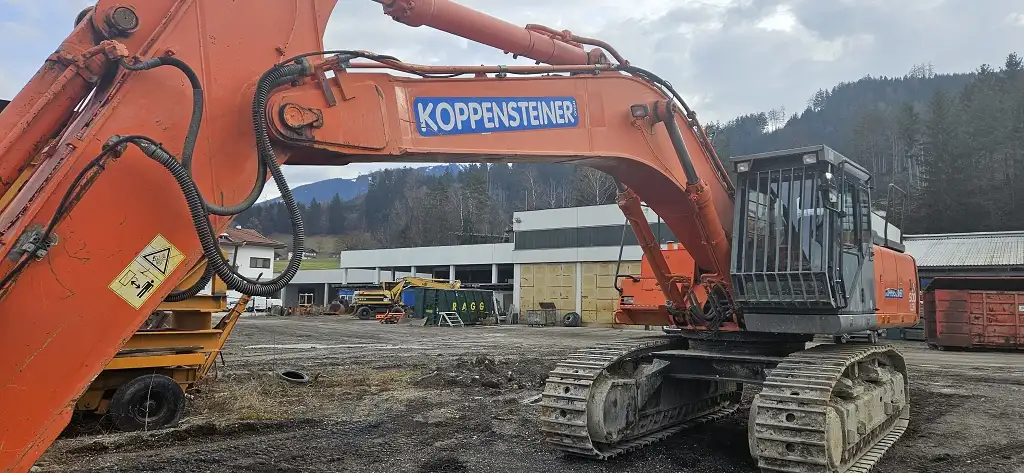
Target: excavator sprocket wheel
830, 409
612, 398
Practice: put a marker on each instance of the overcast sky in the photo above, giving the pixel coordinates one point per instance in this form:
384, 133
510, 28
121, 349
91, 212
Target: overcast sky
726, 57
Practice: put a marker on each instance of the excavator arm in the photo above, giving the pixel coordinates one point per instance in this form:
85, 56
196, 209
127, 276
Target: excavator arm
132, 148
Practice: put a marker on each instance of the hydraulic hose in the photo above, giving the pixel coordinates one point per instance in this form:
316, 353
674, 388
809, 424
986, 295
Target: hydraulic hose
268, 82
199, 208
72, 194
198, 101
204, 230
723, 175
185, 294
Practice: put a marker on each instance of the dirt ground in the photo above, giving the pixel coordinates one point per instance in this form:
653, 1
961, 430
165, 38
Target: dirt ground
387, 398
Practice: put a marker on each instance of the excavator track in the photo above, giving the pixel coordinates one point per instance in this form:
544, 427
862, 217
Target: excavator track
566, 403
797, 422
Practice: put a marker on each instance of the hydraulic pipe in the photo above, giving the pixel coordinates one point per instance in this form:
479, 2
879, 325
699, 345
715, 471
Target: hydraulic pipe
629, 203
665, 113
39, 111
459, 20
707, 217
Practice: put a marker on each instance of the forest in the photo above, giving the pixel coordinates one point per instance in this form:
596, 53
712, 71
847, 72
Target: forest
954, 142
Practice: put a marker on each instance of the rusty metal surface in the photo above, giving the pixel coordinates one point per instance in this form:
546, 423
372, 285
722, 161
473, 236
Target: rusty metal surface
974, 318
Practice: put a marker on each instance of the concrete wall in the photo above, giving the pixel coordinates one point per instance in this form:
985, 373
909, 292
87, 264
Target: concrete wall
428, 256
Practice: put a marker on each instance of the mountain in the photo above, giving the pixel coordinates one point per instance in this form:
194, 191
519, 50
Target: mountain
348, 189
833, 116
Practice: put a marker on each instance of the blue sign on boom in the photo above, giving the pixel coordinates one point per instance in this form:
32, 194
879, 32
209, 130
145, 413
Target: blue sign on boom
439, 116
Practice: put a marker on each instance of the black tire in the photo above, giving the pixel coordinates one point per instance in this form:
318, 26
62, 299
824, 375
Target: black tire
293, 376
572, 319
148, 402
364, 313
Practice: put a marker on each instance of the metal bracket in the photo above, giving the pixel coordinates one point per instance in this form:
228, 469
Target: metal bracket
32, 243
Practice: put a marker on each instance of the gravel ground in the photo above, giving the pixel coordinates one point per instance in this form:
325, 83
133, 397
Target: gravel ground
388, 398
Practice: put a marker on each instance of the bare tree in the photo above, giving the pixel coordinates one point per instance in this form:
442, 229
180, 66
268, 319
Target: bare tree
532, 187
592, 186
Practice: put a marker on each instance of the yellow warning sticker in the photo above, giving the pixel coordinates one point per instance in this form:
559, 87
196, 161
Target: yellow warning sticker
145, 273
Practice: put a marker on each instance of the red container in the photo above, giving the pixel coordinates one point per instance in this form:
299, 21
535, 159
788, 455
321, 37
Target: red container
975, 312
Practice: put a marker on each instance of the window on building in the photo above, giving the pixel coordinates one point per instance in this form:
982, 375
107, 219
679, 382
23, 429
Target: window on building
259, 263
584, 237
305, 298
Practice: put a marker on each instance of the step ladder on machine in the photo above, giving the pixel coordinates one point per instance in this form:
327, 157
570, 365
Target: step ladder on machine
450, 318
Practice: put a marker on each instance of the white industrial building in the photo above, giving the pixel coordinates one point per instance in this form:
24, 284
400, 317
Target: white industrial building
565, 256
568, 257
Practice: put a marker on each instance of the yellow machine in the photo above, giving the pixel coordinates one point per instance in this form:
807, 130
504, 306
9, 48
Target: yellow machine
368, 303
143, 387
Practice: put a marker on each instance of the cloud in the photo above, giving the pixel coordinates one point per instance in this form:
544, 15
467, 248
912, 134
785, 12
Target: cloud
726, 57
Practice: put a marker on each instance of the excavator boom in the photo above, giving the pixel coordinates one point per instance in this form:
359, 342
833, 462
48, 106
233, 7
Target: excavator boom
112, 192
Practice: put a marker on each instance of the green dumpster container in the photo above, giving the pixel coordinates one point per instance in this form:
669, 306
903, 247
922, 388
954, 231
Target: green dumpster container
472, 305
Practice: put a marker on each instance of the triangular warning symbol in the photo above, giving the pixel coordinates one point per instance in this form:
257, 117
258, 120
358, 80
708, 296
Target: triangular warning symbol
158, 259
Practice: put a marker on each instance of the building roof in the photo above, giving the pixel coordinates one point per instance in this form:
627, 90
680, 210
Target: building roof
249, 236
951, 250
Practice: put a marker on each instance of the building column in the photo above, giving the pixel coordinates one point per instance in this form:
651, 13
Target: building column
517, 290
579, 289
451, 273
392, 273
344, 276
377, 276
412, 271
494, 273
327, 294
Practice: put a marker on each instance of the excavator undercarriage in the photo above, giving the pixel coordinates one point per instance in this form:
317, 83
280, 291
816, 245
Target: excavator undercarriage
830, 408
791, 250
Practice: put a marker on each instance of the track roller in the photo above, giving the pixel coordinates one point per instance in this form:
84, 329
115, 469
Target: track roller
612, 398
830, 409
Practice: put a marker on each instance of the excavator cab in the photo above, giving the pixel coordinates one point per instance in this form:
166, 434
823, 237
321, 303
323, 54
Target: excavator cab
802, 242
4, 104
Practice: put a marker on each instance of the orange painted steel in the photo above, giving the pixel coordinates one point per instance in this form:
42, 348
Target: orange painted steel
896, 270
376, 124
230, 44
643, 300
482, 28
656, 260
51, 357
39, 111
60, 324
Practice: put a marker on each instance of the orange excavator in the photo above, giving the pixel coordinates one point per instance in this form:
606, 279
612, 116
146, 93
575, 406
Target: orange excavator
156, 122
